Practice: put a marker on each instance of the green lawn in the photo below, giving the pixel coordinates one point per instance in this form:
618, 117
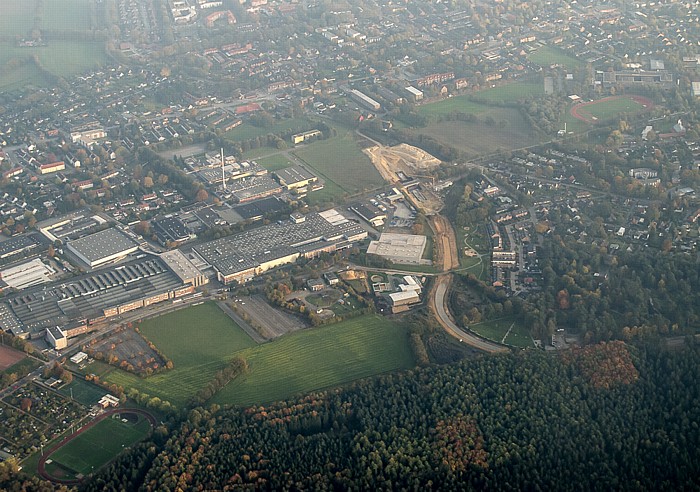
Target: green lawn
339, 160
100, 444
275, 162
547, 55
199, 340
23, 367
508, 130
319, 358
496, 329
606, 110
247, 131
462, 104
512, 92
83, 392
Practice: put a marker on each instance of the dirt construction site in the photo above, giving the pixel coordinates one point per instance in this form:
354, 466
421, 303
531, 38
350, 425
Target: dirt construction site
411, 162
444, 242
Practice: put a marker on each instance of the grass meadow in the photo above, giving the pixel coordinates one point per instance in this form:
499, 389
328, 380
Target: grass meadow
547, 56
199, 340
320, 358
496, 330
341, 162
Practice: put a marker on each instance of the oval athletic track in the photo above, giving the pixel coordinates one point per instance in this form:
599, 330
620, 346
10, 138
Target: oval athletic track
587, 118
42, 461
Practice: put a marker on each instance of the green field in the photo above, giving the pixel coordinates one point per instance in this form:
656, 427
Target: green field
199, 340
275, 162
512, 92
99, 445
247, 131
83, 392
461, 104
508, 131
25, 366
496, 329
606, 110
340, 161
546, 56
319, 358
61, 57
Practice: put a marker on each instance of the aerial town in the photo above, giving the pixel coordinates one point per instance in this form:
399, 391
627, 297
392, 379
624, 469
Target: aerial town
211, 204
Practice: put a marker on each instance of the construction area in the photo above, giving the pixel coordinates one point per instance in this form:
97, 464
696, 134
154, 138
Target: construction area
445, 243
402, 163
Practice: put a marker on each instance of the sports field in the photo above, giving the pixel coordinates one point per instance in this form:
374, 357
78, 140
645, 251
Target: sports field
459, 104
247, 131
199, 340
9, 357
98, 445
610, 107
86, 393
319, 358
341, 161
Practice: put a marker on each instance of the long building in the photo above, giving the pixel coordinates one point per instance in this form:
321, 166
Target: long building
243, 256
365, 100
102, 247
76, 304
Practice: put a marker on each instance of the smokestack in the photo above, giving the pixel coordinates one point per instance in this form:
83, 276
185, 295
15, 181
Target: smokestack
223, 173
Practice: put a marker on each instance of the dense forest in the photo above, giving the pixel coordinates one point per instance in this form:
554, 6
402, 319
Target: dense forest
608, 416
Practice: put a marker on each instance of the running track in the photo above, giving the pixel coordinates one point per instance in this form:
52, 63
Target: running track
66, 440
575, 111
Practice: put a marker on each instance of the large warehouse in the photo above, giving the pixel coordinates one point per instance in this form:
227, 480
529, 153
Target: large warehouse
102, 247
243, 256
399, 248
76, 303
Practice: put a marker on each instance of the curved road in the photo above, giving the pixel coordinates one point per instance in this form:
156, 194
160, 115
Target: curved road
440, 289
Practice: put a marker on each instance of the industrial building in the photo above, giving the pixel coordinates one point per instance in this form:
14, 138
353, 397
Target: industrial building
56, 337
27, 274
18, 244
365, 100
295, 177
243, 256
81, 301
370, 213
399, 248
252, 188
102, 247
171, 230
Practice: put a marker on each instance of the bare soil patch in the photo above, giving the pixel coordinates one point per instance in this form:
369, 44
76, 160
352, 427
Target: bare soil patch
9, 357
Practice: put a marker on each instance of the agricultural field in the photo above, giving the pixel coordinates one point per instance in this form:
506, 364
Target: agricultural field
60, 58
503, 330
547, 56
199, 340
340, 161
319, 358
96, 446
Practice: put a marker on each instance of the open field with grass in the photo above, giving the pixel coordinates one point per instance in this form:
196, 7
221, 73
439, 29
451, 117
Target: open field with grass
275, 162
547, 56
99, 445
511, 92
461, 104
319, 358
496, 330
341, 161
508, 131
199, 340
83, 392
247, 131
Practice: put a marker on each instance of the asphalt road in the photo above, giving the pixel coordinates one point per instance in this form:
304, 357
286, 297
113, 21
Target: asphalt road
440, 290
